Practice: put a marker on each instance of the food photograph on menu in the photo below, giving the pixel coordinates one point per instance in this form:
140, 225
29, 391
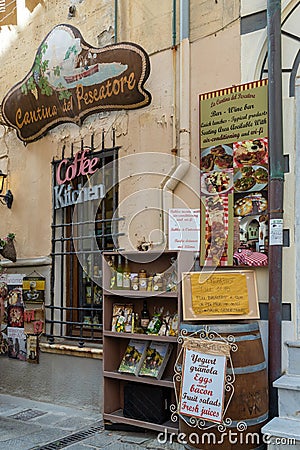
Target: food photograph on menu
251, 177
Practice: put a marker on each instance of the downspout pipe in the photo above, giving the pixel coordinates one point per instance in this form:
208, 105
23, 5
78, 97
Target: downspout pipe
182, 162
164, 202
116, 21
174, 10
184, 98
275, 197
184, 112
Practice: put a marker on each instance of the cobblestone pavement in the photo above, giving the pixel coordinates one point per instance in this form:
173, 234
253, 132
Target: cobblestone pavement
31, 425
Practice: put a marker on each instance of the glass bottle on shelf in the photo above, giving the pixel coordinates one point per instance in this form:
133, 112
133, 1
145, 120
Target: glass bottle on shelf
119, 273
145, 316
137, 324
84, 273
126, 275
87, 285
113, 276
88, 290
96, 271
97, 295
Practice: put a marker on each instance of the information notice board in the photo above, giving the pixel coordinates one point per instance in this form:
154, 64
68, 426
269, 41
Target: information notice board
234, 175
226, 294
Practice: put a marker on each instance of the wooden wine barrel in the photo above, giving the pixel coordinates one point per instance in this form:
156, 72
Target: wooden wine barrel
248, 408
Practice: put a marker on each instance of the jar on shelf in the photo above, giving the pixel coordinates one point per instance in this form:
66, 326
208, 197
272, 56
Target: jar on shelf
158, 282
142, 280
134, 281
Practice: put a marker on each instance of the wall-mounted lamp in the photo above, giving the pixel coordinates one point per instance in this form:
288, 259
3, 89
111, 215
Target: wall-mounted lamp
8, 197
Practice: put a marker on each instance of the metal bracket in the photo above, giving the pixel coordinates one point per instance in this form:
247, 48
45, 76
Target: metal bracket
286, 237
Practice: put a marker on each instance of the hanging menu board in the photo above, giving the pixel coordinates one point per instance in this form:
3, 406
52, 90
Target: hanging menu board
234, 175
203, 379
221, 294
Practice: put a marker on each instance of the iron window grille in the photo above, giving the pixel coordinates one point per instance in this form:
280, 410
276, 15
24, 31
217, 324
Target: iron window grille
80, 232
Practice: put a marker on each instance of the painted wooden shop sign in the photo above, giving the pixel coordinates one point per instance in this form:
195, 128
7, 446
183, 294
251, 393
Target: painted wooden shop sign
70, 80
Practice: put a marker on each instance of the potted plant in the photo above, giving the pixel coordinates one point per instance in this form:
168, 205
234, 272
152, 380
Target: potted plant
7, 247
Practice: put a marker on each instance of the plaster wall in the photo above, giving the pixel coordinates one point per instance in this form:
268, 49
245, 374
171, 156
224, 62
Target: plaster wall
215, 55
152, 129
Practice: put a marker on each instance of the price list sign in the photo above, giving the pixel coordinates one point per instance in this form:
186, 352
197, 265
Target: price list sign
226, 294
222, 293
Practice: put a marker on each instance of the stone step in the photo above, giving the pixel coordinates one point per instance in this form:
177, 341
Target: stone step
282, 434
288, 396
293, 357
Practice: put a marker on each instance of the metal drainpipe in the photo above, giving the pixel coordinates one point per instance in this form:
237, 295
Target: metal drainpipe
184, 87
174, 10
163, 202
184, 111
275, 196
116, 21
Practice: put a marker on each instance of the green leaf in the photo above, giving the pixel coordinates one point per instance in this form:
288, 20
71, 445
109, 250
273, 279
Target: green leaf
24, 89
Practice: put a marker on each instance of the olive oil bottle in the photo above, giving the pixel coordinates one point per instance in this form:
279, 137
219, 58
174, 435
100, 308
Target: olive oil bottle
119, 274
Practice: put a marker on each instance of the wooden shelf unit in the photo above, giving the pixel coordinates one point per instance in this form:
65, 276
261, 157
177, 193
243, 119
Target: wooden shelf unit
115, 344
139, 294
143, 337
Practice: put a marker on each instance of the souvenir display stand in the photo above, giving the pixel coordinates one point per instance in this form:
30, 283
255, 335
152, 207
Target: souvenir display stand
161, 293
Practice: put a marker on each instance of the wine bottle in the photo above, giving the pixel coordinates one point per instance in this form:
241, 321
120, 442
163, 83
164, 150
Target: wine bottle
88, 291
145, 316
119, 274
113, 277
126, 275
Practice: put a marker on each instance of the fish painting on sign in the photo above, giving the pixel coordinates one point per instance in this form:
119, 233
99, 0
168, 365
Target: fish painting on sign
70, 79
68, 62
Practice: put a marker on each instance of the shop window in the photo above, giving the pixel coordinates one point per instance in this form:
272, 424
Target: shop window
84, 225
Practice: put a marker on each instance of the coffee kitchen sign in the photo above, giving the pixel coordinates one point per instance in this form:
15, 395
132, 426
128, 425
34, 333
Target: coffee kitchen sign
70, 80
83, 163
203, 379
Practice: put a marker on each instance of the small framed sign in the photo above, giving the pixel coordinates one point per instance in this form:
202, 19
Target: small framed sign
226, 294
203, 379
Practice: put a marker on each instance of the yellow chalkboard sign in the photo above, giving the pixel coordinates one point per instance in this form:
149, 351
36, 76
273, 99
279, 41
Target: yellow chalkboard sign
223, 294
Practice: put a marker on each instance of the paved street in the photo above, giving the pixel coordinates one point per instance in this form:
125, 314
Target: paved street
28, 425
